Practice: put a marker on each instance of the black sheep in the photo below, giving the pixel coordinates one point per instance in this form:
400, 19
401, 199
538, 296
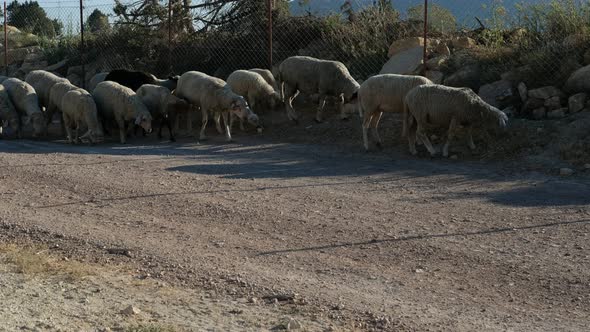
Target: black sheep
130, 79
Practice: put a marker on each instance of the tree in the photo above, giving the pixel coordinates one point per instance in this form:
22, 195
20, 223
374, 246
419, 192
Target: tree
30, 17
97, 22
439, 18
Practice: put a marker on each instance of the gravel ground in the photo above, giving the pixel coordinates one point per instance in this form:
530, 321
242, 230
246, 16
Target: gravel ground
381, 240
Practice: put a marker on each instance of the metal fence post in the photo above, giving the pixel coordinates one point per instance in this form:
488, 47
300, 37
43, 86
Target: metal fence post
170, 36
82, 48
425, 55
269, 7
5, 42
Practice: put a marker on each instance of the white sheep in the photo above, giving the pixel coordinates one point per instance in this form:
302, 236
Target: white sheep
8, 113
26, 102
95, 80
380, 94
56, 94
307, 75
214, 95
121, 104
169, 83
268, 77
442, 106
255, 89
162, 105
42, 81
79, 110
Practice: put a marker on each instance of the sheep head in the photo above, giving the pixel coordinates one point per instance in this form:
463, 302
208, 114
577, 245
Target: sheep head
39, 127
144, 119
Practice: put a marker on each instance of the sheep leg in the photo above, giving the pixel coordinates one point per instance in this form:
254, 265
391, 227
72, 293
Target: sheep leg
205, 116
368, 116
77, 132
66, 121
470, 138
343, 115
122, 133
169, 126
450, 135
318, 115
217, 118
424, 138
374, 125
227, 126
290, 94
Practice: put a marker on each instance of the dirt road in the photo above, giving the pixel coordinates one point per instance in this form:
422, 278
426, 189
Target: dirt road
389, 242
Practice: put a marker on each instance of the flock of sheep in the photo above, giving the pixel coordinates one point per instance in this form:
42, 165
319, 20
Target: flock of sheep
128, 100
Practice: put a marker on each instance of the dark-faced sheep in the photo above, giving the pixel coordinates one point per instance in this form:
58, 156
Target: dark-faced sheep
307, 75
135, 79
162, 105
447, 107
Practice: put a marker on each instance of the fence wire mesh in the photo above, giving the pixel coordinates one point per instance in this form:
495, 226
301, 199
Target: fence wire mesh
539, 41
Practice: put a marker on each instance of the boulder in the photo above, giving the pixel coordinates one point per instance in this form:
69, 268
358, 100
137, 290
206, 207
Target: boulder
403, 45
545, 92
552, 103
18, 55
577, 102
468, 76
59, 67
532, 104
437, 63
587, 57
539, 113
460, 43
557, 114
435, 76
523, 91
495, 93
404, 63
75, 79
579, 81
19, 39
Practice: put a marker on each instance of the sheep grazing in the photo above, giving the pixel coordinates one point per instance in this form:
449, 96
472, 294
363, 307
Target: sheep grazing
383, 93
121, 104
214, 95
135, 79
42, 81
100, 77
268, 77
79, 110
442, 106
162, 105
255, 89
8, 114
26, 102
302, 74
55, 97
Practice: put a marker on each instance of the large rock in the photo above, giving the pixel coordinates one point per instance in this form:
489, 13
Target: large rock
495, 93
468, 76
579, 81
403, 45
577, 102
437, 63
587, 57
19, 55
557, 114
532, 104
546, 92
539, 113
552, 103
435, 76
20, 39
75, 80
59, 67
442, 49
404, 63
460, 43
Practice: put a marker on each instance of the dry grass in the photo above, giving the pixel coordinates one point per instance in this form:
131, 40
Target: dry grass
36, 261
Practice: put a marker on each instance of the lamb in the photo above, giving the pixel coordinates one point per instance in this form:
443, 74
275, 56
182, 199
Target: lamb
214, 95
100, 77
79, 109
255, 89
268, 77
383, 93
442, 106
135, 79
42, 81
121, 104
302, 74
26, 102
8, 113
162, 105
55, 97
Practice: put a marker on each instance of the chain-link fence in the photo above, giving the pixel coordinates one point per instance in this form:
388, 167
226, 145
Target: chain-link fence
540, 41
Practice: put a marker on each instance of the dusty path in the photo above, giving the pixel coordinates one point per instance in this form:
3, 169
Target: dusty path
395, 243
